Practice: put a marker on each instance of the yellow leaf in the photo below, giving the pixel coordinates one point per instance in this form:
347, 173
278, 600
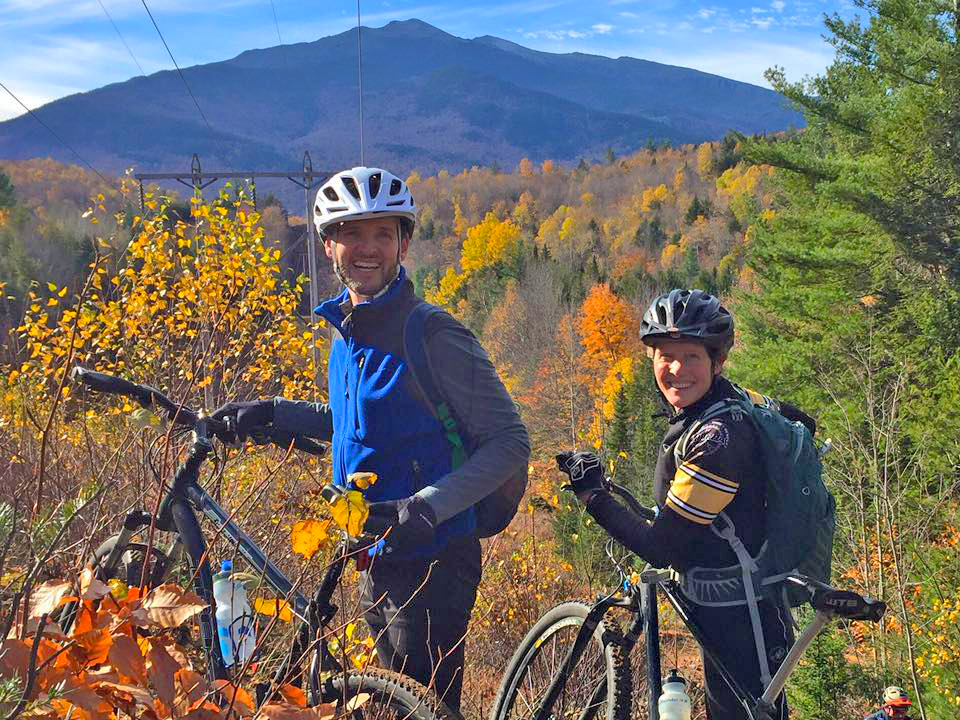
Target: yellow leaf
141, 418
63, 292
307, 536
273, 606
362, 480
350, 512
51, 287
350, 630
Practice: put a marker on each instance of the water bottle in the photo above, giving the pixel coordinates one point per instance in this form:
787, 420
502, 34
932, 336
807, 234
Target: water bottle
674, 703
234, 617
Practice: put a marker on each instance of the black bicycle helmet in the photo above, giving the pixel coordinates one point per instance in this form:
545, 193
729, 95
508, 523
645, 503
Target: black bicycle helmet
690, 314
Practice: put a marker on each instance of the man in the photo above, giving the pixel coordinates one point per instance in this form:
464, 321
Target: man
688, 334
896, 704
419, 594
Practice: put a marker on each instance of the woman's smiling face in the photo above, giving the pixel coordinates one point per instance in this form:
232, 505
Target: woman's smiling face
684, 371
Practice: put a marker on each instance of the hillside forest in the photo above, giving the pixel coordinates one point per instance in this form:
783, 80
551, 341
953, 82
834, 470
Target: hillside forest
837, 249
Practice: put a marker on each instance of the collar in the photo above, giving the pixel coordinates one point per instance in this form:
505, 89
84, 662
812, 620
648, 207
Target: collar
339, 309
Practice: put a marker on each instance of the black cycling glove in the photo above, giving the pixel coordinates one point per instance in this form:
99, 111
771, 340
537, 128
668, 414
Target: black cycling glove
246, 418
411, 521
584, 469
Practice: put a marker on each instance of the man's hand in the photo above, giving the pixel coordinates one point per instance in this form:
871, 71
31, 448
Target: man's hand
411, 522
246, 418
584, 470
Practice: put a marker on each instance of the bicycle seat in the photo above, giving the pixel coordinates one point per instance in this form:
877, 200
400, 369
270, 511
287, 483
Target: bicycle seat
848, 604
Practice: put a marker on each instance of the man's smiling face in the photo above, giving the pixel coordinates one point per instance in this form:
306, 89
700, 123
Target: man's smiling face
366, 254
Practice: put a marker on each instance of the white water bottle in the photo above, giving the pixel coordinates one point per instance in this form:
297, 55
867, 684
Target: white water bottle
234, 617
674, 703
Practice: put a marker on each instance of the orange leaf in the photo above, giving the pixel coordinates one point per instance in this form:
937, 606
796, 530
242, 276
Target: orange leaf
235, 697
191, 686
286, 711
161, 669
293, 695
96, 645
118, 694
126, 658
48, 596
169, 606
14, 658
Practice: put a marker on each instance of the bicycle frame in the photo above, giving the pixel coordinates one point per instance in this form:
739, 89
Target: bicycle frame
177, 514
641, 601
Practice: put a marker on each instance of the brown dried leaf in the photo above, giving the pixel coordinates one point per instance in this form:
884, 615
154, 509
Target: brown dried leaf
116, 693
126, 658
169, 606
95, 645
357, 701
162, 669
50, 629
14, 658
47, 597
240, 700
91, 587
190, 686
293, 695
204, 710
287, 711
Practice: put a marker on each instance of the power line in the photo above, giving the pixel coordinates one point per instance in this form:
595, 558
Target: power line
360, 79
59, 139
275, 22
187, 86
132, 57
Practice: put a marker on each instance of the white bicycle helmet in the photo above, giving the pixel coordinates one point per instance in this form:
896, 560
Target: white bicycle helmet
360, 193
895, 695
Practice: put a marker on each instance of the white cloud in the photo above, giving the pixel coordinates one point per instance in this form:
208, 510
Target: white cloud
602, 28
705, 13
45, 69
778, 5
762, 23
748, 61
628, 14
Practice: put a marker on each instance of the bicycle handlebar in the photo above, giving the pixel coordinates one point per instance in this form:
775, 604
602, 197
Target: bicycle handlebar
839, 603
148, 396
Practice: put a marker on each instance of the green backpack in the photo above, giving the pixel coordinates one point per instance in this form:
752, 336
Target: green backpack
800, 510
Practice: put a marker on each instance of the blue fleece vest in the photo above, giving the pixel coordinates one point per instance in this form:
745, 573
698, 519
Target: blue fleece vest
380, 424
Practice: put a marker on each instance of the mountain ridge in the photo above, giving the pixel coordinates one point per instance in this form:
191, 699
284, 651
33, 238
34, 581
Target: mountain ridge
432, 101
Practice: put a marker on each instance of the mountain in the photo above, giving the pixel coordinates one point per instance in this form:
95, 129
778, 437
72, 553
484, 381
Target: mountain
431, 100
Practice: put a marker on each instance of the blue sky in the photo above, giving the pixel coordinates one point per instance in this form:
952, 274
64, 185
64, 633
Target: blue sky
52, 48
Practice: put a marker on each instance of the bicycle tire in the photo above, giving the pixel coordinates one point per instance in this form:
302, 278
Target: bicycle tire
130, 572
542, 652
392, 696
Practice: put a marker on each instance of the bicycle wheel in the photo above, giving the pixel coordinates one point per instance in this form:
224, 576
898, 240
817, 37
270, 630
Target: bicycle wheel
129, 570
598, 687
392, 697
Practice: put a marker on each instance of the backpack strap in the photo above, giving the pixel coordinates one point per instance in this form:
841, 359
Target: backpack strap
418, 362
748, 567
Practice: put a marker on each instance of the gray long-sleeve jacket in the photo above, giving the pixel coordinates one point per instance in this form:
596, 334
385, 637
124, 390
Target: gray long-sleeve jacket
484, 410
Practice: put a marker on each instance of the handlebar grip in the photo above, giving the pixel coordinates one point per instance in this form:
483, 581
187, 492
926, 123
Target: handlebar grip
101, 382
644, 512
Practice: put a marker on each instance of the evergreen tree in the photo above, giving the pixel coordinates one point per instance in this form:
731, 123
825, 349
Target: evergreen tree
7, 196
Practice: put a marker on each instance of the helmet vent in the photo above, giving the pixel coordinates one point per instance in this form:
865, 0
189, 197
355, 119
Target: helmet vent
394, 203
351, 186
331, 194
373, 184
395, 186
